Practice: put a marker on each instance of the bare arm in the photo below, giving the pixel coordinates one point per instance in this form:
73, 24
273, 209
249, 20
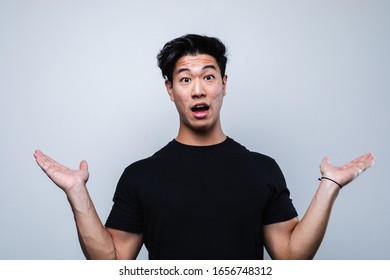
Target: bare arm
296, 239
97, 242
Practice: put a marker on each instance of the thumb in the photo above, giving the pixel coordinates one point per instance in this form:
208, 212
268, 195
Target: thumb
325, 161
83, 165
325, 165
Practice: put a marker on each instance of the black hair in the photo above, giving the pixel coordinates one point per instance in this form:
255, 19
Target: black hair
190, 44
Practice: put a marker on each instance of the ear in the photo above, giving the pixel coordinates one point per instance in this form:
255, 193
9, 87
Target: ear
168, 86
224, 83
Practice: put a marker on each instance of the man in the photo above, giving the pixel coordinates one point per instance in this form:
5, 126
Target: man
203, 195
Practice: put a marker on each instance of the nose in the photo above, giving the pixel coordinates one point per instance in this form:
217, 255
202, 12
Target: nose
198, 89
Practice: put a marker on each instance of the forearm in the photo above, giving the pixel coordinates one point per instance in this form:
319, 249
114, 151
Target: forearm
308, 234
295, 239
95, 240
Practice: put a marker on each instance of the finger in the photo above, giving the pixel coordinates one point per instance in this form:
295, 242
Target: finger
38, 155
41, 159
83, 165
325, 162
326, 159
360, 164
48, 164
370, 159
363, 162
367, 161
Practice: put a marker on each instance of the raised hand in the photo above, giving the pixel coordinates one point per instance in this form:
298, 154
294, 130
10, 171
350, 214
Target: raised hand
348, 172
62, 176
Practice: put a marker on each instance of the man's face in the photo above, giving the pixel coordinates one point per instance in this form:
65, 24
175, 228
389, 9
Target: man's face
197, 89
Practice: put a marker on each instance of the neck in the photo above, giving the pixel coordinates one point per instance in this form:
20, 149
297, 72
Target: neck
200, 137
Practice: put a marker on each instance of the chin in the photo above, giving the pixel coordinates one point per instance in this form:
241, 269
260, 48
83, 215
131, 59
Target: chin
201, 126
203, 129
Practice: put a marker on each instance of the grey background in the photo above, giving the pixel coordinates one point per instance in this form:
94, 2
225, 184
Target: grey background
78, 79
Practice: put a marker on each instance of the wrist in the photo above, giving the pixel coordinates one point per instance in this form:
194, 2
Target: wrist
331, 180
78, 197
328, 188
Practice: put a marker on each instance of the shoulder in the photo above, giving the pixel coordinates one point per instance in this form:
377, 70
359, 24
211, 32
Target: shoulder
264, 166
240, 149
168, 150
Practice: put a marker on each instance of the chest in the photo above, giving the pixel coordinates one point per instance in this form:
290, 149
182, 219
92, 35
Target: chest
204, 187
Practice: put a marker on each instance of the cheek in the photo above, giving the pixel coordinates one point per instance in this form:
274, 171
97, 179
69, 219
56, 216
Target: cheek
220, 93
180, 103
179, 100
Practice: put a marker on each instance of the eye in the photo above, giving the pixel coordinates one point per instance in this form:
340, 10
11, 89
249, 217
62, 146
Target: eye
209, 77
185, 80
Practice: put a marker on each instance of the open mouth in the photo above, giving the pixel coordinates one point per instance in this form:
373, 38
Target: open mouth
200, 111
200, 108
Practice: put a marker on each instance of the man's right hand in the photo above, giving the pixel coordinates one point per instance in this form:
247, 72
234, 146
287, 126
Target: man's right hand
96, 241
62, 176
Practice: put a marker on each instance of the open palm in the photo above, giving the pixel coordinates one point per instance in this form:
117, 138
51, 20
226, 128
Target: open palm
61, 175
348, 172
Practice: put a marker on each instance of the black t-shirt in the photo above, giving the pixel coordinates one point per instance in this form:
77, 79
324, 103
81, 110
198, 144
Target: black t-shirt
201, 202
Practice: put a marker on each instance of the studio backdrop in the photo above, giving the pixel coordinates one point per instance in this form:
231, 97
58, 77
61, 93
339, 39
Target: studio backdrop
79, 80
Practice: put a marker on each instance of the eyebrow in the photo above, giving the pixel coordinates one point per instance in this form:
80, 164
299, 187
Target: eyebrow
204, 68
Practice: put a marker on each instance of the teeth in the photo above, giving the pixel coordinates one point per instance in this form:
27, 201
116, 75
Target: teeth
200, 107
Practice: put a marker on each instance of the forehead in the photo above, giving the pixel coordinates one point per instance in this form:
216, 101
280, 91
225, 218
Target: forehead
195, 62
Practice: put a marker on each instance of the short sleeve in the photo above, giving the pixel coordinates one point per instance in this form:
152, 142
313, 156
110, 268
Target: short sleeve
279, 207
126, 213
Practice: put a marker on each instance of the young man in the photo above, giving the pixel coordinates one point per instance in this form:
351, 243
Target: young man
203, 195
